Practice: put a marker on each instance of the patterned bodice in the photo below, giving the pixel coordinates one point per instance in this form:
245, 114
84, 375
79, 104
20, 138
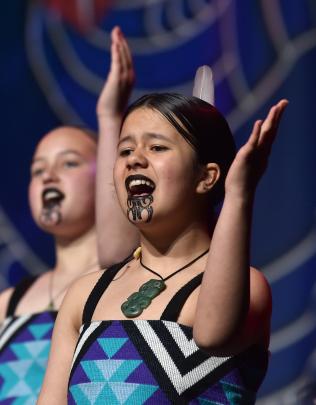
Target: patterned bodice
156, 361
24, 347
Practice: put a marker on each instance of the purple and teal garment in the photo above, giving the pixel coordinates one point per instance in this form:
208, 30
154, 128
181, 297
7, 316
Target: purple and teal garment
24, 348
156, 361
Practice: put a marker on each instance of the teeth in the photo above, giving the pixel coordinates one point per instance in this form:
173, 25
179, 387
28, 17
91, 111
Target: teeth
51, 194
139, 182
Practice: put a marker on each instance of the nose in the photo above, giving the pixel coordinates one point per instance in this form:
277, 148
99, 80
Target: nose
50, 175
136, 159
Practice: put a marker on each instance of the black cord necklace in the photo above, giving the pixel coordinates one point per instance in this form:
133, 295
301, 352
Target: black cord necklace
138, 301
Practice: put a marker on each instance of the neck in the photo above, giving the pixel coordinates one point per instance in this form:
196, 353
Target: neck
176, 247
75, 257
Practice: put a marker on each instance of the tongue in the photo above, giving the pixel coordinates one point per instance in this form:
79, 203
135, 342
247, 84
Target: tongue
141, 189
52, 202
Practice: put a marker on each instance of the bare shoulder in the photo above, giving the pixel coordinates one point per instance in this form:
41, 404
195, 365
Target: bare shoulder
260, 309
260, 293
84, 284
77, 295
4, 302
256, 329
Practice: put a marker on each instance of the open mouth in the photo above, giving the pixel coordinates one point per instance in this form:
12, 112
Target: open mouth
139, 185
51, 197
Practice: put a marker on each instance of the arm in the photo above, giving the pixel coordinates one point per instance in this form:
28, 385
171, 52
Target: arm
64, 340
112, 224
232, 298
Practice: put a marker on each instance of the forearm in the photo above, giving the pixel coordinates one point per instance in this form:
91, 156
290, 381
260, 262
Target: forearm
224, 296
116, 236
64, 339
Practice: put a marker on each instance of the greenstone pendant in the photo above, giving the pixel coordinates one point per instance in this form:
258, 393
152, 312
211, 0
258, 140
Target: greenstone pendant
138, 301
51, 306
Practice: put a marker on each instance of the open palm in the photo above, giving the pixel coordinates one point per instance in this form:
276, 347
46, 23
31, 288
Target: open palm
118, 86
252, 158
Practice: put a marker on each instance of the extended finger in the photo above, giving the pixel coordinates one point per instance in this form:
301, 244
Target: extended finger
115, 58
115, 53
269, 120
279, 109
255, 134
118, 57
127, 53
269, 127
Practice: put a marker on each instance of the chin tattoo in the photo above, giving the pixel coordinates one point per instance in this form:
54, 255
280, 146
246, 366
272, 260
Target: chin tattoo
139, 208
51, 216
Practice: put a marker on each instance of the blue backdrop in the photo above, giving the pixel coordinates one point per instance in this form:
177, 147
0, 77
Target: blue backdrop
54, 58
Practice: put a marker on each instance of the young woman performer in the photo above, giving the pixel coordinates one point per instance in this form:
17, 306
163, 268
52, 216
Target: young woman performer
186, 320
61, 195
62, 199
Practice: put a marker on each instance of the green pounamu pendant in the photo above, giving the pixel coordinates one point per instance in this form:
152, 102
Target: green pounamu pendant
51, 306
137, 302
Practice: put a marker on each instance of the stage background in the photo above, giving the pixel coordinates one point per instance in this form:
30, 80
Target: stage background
54, 58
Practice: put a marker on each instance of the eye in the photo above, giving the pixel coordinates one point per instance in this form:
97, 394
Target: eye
158, 148
71, 163
37, 172
125, 152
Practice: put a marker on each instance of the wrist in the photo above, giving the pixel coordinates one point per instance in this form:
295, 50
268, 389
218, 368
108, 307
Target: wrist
110, 115
243, 198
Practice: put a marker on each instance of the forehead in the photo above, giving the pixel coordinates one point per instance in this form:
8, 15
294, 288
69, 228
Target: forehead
66, 138
146, 120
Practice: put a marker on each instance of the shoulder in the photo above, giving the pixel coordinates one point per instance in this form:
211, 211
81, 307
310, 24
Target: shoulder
4, 302
260, 308
260, 292
77, 295
84, 284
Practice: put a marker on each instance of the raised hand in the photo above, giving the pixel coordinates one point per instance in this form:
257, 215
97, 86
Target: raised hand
116, 237
252, 158
118, 86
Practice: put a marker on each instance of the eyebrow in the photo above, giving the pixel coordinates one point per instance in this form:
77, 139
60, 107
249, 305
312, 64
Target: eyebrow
149, 135
64, 152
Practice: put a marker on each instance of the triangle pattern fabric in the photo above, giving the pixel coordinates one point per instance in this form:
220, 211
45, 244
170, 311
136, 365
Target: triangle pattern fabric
23, 357
32, 350
87, 393
215, 395
141, 394
155, 362
117, 376
100, 370
203, 401
122, 391
20, 368
21, 388
40, 330
111, 345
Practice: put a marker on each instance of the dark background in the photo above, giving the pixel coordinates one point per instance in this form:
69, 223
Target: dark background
53, 63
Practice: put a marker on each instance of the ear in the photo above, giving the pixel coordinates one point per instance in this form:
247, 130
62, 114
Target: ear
210, 175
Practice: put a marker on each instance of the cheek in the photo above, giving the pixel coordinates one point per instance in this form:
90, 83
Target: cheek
84, 190
176, 172
82, 182
179, 179
33, 196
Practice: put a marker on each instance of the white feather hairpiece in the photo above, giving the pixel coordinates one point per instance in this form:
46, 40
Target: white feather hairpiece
204, 85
